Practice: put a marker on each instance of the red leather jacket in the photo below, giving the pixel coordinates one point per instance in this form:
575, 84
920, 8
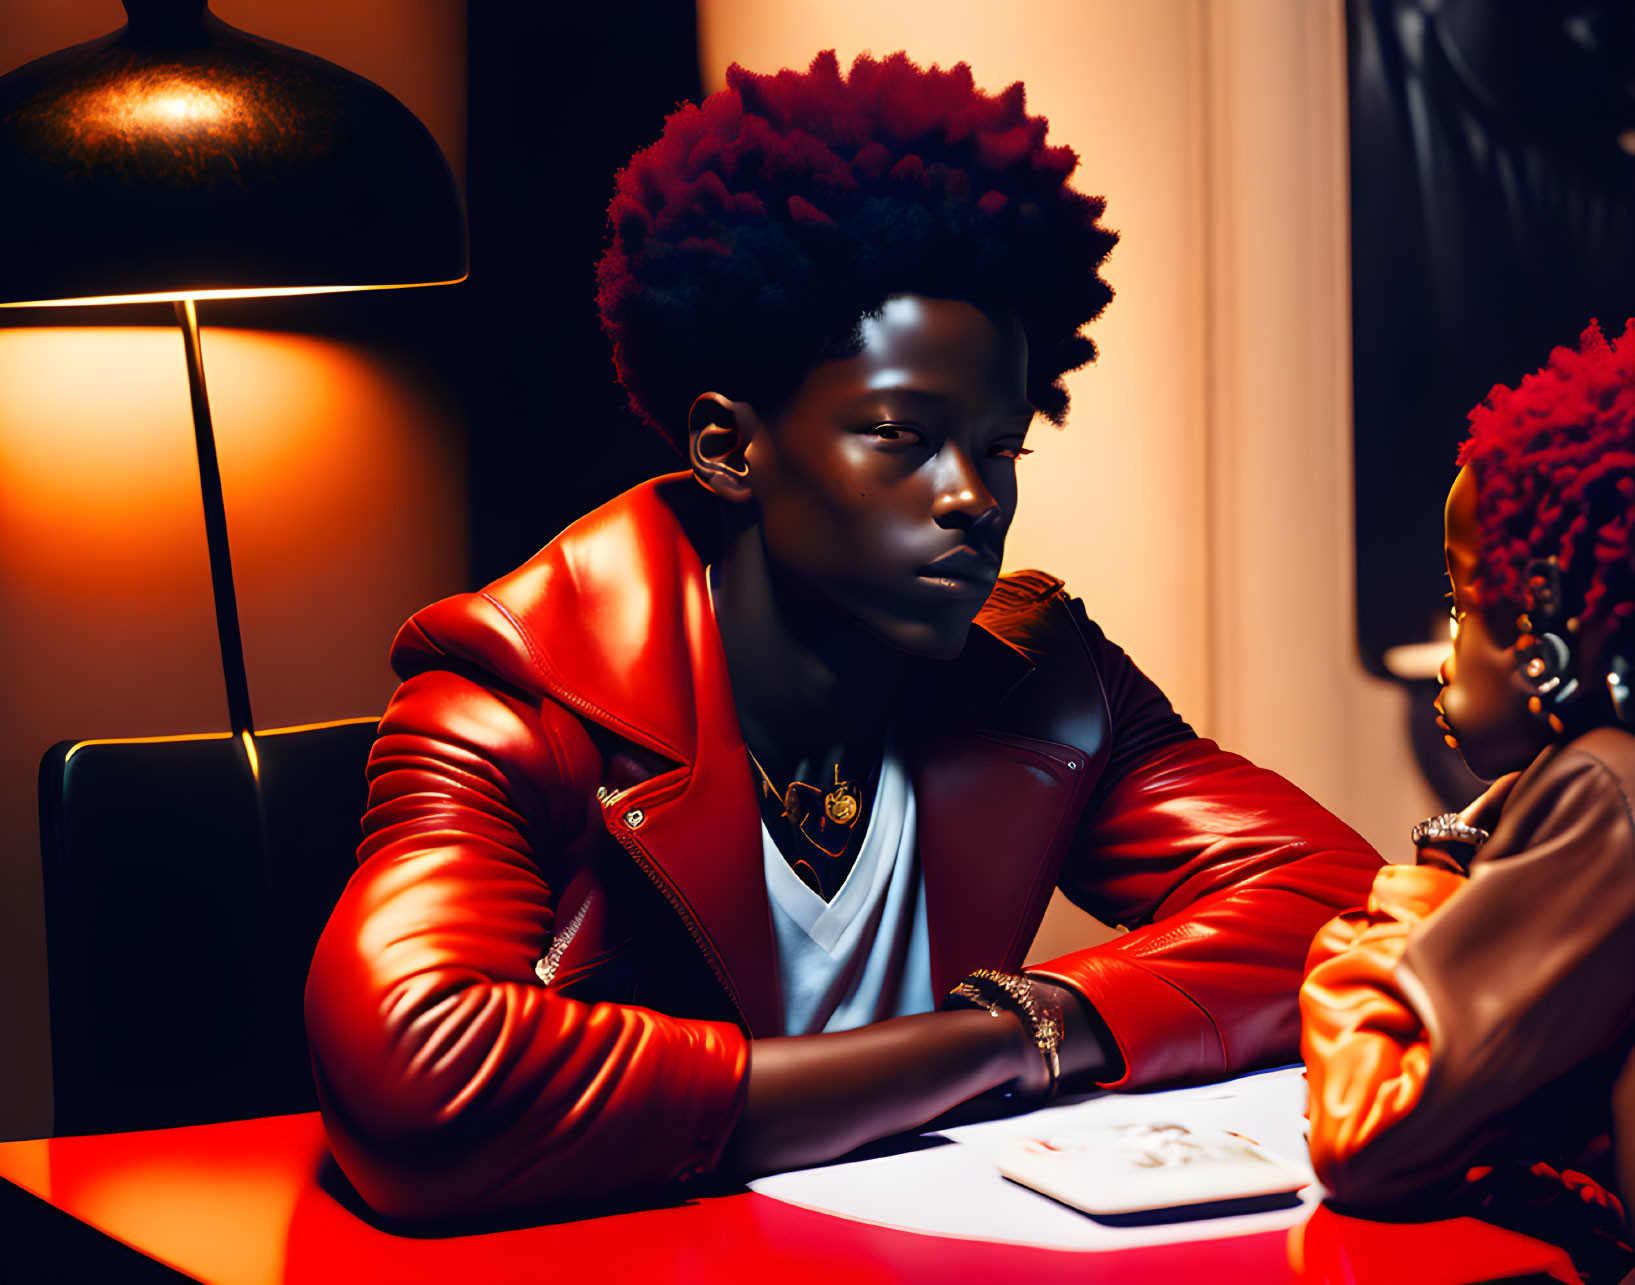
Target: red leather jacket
540, 984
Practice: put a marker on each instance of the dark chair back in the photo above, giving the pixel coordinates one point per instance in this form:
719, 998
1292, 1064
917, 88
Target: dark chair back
186, 882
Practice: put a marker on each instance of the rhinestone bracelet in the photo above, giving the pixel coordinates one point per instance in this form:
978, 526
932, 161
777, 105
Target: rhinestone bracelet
1447, 828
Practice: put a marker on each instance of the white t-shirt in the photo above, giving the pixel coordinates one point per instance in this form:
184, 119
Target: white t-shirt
866, 955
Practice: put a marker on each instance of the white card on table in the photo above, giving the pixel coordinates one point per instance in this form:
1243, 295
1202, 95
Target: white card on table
1138, 1168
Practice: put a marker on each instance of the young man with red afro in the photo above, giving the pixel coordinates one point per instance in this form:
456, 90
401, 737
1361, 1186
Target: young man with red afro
711, 840
1468, 1033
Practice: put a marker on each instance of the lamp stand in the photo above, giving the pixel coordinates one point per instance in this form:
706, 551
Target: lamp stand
215, 529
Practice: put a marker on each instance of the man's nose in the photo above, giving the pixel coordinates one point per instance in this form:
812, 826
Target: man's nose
963, 498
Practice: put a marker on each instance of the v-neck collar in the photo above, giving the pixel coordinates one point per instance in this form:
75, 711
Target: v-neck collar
825, 922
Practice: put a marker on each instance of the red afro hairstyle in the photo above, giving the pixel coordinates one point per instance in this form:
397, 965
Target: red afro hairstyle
1554, 460
749, 242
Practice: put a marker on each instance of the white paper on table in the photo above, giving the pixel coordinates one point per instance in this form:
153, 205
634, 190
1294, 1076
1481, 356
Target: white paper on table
955, 1190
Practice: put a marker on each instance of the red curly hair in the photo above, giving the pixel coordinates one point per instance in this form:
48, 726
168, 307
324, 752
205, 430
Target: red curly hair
750, 240
1554, 460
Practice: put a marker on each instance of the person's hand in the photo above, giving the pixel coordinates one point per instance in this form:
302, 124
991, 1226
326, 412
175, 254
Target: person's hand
1483, 811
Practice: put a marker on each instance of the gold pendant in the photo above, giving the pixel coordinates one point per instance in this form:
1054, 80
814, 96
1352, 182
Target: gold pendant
840, 804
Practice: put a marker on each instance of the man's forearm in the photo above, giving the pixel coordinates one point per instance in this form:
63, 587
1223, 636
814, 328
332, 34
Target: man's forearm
814, 1097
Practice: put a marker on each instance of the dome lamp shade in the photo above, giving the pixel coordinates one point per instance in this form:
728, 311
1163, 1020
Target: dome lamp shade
181, 158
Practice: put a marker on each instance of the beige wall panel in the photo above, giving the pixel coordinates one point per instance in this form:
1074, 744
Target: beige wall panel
1289, 691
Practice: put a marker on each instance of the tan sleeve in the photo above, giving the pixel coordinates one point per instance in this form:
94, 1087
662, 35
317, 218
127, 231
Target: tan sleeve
1526, 973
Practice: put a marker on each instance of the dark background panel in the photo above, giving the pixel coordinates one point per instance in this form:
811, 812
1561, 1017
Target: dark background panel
561, 96
1493, 214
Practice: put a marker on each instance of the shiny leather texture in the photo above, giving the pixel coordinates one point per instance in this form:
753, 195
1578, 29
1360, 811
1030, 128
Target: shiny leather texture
1457, 1022
1366, 1051
540, 985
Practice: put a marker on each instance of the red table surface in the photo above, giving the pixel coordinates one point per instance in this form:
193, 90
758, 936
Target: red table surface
240, 1204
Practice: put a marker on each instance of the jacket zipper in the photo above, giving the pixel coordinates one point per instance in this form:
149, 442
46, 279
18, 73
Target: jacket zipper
545, 970
628, 842
1032, 745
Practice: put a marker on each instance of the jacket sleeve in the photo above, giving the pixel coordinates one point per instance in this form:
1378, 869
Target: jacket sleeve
1365, 1048
1223, 871
1450, 1002
452, 1081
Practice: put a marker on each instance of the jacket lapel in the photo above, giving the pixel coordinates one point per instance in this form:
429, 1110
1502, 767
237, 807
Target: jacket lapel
625, 636
696, 833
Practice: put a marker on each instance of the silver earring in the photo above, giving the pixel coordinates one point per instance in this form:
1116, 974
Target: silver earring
1618, 687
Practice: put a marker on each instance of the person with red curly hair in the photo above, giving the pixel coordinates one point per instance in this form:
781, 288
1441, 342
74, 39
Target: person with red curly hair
710, 841
1468, 1032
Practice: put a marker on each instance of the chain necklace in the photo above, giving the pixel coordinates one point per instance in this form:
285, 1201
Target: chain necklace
829, 828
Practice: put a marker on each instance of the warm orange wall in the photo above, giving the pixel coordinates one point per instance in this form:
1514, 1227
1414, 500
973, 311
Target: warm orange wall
344, 476
344, 480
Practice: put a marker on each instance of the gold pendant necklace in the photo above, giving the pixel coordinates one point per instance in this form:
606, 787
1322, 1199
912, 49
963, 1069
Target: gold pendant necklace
840, 805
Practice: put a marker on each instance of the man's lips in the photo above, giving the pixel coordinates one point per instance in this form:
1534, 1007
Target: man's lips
964, 563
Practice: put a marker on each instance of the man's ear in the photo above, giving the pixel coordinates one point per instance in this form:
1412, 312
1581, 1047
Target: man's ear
718, 437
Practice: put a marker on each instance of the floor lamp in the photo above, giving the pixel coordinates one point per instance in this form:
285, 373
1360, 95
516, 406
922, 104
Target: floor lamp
174, 161
180, 159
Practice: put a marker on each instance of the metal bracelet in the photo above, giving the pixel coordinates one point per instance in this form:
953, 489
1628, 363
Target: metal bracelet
1006, 992
1447, 828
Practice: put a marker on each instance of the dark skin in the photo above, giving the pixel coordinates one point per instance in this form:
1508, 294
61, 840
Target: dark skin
1483, 705
866, 525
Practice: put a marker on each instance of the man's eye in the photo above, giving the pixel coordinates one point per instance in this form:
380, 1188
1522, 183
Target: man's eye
1010, 452
896, 433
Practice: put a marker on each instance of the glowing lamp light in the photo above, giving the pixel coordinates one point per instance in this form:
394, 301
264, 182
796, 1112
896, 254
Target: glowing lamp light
180, 159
